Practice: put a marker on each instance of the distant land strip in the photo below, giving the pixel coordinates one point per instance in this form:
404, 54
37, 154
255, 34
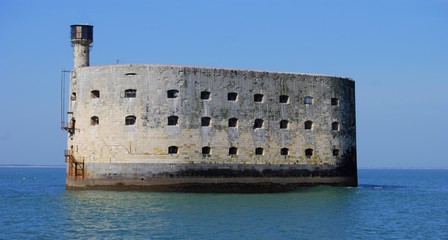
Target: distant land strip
30, 166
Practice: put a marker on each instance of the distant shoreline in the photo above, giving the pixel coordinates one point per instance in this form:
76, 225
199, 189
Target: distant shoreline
32, 166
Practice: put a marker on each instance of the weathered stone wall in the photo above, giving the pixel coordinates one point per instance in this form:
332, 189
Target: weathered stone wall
148, 140
81, 52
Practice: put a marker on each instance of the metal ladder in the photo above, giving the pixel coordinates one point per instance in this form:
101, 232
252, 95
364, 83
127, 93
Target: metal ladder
76, 168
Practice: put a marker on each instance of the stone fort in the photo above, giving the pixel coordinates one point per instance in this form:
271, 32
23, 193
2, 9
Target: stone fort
203, 129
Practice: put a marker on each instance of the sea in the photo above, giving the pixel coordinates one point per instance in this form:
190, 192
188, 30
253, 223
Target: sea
388, 204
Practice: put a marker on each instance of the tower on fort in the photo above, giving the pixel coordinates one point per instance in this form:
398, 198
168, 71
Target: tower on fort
81, 38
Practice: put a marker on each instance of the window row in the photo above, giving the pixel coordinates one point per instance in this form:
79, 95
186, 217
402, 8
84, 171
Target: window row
128, 120
128, 93
205, 95
206, 122
258, 151
258, 123
258, 98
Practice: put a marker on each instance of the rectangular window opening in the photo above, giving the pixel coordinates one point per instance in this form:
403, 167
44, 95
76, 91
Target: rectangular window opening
173, 150
173, 120
232, 96
94, 94
205, 95
233, 122
258, 123
335, 152
308, 100
284, 99
284, 124
206, 150
205, 122
130, 93
173, 93
233, 151
334, 102
130, 120
258, 98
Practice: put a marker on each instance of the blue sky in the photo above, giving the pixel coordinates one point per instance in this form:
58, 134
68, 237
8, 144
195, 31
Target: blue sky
395, 50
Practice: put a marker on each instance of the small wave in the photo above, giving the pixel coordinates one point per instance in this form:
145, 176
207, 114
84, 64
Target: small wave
374, 186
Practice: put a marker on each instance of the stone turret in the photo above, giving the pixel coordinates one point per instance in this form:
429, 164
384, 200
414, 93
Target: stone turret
81, 38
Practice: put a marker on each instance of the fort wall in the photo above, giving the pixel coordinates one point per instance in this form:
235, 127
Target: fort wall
164, 114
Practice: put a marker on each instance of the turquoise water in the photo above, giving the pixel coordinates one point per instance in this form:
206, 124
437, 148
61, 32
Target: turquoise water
389, 204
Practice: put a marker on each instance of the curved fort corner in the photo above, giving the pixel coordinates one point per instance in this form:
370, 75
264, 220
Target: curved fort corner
202, 129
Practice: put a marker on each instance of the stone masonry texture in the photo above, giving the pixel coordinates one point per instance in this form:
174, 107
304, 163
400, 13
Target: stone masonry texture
178, 118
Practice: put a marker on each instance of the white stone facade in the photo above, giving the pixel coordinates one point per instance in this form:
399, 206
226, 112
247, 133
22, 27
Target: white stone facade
101, 106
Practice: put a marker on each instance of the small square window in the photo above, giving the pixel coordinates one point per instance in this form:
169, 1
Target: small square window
233, 122
205, 121
94, 121
334, 102
258, 98
232, 96
173, 93
205, 95
130, 93
284, 124
284, 151
233, 151
335, 126
259, 151
129, 120
284, 99
94, 94
308, 125
173, 150
308, 152
335, 152
258, 123
173, 120
206, 150
308, 100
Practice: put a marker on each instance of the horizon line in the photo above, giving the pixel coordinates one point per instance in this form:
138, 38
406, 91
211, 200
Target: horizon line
63, 166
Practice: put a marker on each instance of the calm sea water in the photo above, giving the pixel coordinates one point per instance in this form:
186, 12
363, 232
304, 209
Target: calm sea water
389, 204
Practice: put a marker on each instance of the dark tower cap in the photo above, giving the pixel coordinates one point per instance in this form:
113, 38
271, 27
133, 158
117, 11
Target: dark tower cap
82, 31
